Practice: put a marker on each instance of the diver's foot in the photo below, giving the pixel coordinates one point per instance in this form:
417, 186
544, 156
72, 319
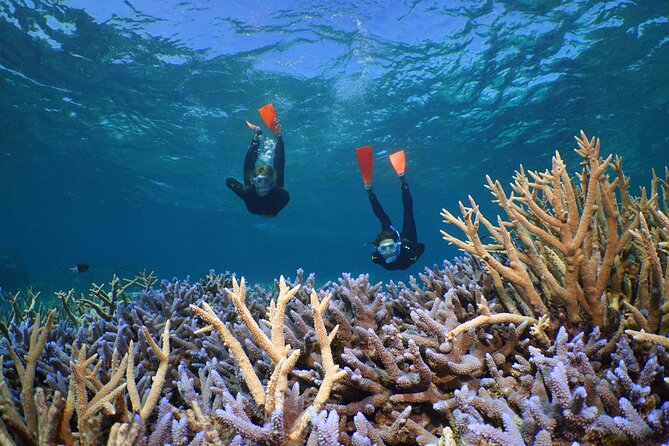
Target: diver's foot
403, 179
256, 133
368, 188
255, 128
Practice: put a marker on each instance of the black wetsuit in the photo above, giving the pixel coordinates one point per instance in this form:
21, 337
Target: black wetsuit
411, 249
277, 198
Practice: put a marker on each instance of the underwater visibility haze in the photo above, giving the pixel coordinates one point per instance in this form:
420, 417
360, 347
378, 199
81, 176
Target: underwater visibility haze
120, 122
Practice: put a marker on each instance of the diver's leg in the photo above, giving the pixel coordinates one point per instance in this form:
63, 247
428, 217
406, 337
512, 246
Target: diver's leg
409, 224
250, 160
279, 160
378, 210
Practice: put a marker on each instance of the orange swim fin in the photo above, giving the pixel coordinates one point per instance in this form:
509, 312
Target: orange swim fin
269, 117
398, 161
366, 163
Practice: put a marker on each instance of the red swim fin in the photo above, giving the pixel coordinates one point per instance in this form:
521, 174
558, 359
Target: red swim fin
398, 161
269, 117
366, 163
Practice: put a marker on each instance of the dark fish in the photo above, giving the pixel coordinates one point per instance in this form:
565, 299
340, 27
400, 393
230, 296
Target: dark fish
80, 268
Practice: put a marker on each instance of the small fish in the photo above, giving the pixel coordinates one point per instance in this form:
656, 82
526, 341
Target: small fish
80, 268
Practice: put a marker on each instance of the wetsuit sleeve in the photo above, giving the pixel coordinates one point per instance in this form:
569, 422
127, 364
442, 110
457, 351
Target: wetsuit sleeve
235, 186
409, 225
279, 160
420, 249
250, 160
379, 212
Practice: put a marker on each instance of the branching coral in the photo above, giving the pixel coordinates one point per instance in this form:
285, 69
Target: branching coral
457, 355
27, 376
89, 389
560, 395
102, 302
84, 379
569, 243
272, 396
410, 364
648, 337
101, 298
655, 297
20, 311
156, 386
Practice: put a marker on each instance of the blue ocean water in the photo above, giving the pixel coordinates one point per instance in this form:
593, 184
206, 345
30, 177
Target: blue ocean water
122, 119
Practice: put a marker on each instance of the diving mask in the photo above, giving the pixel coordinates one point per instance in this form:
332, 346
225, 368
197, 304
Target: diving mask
263, 184
389, 250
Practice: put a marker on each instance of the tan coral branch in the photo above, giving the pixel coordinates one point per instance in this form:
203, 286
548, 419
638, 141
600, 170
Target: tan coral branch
238, 295
656, 277
499, 318
26, 373
642, 336
252, 380
277, 313
159, 378
332, 372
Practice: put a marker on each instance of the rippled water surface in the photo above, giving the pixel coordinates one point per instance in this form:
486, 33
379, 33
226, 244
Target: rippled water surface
121, 120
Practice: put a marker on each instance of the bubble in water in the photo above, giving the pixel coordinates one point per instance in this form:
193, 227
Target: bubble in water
266, 152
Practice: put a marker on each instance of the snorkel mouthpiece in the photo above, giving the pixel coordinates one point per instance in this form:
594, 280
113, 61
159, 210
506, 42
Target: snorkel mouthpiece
390, 251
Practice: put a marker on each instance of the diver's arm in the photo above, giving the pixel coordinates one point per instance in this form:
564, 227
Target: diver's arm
235, 186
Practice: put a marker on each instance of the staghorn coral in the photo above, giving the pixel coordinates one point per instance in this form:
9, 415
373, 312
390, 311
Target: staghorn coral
89, 390
561, 396
457, 355
412, 363
98, 346
163, 354
272, 396
570, 244
405, 381
26, 374
21, 308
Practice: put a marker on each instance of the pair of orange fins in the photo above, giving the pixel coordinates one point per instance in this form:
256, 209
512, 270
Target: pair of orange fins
364, 153
268, 115
366, 163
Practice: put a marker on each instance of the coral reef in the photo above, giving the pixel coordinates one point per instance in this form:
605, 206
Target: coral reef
581, 251
554, 333
281, 426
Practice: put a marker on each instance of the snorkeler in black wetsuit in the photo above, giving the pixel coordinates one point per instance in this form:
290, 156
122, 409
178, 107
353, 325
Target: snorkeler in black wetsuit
263, 191
393, 250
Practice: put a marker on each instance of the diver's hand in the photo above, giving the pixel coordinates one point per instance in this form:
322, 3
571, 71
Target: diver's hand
231, 182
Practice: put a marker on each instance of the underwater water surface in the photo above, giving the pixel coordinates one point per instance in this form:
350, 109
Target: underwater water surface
122, 119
